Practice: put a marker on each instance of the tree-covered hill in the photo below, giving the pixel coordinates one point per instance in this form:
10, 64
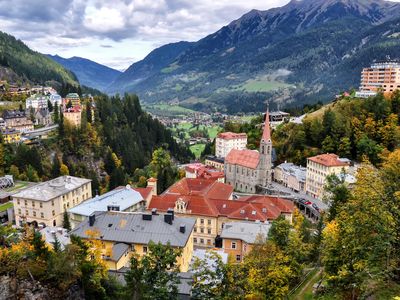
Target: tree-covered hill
29, 65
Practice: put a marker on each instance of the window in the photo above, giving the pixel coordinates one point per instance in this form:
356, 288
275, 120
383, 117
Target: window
195, 229
26, 212
18, 201
209, 230
238, 258
233, 245
245, 248
201, 221
26, 203
202, 230
19, 211
209, 222
33, 203
42, 215
201, 241
208, 242
195, 240
41, 205
53, 213
52, 202
144, 249
34, 213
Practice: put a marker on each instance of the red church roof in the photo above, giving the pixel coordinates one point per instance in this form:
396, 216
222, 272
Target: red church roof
244, 158
267, 130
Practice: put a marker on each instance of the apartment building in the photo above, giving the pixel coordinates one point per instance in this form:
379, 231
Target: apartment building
73, 98
121, 199
227, 141
291, 176
210, 203
321, 166
37, 102
73, 115
123, 234
238, 238
18, 120
46, 202
383, 76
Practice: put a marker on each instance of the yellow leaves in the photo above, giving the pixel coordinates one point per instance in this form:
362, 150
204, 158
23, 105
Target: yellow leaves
117, 161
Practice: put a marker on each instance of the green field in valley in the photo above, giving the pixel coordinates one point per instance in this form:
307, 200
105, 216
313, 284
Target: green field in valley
197, 149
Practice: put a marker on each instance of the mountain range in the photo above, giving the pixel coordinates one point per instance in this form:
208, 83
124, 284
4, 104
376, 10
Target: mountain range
305, 51
89, 73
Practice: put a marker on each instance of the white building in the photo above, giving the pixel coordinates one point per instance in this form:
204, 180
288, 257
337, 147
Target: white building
55, 98
37, 102
291, 176
227, 141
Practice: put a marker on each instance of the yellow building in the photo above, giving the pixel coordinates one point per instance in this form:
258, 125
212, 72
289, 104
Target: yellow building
119, 235
318, 168
73, 116
46, 202
11, 136
73, 98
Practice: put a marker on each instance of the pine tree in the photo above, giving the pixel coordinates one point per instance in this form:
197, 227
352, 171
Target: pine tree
56, 245
66, 222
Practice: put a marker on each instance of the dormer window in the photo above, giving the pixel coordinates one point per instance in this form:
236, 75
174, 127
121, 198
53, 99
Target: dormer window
242, 211
253, 212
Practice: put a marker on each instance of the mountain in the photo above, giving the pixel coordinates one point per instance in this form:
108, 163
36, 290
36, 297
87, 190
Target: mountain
305, 51
158, 61
89, 73
18, 63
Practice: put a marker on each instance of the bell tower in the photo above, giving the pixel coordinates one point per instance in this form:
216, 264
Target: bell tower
265, 165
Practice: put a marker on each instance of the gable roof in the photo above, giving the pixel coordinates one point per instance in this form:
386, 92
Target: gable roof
245, 158
329, 160
231, 135
248, 232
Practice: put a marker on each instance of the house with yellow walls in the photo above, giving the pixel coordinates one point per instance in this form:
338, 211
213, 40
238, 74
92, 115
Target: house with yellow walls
11, 136
121, 234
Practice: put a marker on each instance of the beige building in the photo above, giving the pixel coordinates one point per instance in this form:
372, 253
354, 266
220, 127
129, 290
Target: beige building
227, 141
318, 168
215, 162
46, 202
122, 234
291, 176
383, 76
73, 115
18, 120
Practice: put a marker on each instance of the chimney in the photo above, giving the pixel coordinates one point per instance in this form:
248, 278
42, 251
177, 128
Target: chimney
147, 217
152, 182
171, 212
154, 211
92, 219
182, 228
168, 218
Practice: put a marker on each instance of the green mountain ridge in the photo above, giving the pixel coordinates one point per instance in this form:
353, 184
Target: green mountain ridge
20, 63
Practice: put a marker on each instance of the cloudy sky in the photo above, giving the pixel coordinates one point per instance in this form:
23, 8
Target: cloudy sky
117, 32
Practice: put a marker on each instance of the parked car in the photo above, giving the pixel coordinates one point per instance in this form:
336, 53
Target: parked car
308, 203
315, 207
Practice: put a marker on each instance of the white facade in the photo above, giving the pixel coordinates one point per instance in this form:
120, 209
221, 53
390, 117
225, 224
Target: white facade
37, 102
227, 141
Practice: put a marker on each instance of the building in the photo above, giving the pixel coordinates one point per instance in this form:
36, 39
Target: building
122, 234
11, 136
73, 115
246, 170
18, 120
383, 76
73, 98
318, 168
46, 202
238, 238
198, 170
43, 117
277, 118
37, 102
215, 162
55, 99
210, 202
121, 199
227, 141
50, 234
291, 176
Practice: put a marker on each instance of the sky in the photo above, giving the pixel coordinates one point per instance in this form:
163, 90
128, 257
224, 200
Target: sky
117, 33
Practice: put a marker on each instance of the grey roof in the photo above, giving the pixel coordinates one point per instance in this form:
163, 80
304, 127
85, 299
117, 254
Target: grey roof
248, 232
124, 198
298, 171
51, 189
118, 250
49, 234
130, 228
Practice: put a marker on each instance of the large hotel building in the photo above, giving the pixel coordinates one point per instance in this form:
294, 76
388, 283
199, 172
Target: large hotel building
383, 76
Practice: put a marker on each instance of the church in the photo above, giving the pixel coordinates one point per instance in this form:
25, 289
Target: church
247, 169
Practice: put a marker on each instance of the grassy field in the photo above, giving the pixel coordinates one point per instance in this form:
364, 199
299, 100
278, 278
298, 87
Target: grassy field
305, 291
168, 110
187, 127
170, 68
197, 149
255, 85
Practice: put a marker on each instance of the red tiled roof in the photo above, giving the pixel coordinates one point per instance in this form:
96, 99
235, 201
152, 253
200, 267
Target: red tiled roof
194, 167
201, 187
245, 158
328, 160
145, 192
231, 135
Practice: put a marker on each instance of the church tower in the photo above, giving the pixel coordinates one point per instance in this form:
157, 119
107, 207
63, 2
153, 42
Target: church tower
265, 164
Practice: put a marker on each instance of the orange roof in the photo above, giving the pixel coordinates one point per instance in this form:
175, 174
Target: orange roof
245, 158
152, 179
328, 160
231, 135
267, 130
145, 192
211, 198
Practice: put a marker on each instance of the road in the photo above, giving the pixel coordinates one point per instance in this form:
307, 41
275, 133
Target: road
40, 131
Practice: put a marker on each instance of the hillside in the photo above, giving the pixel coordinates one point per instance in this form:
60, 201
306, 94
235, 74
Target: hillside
19, 63
302, 52
89, 73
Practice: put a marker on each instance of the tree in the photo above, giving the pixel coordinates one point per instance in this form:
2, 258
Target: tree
337, 194
66, 222
155, 275
2, 161
279, 232
50, 106
64, 170
56, 245
14, 171
32, 174
56, 167
69, 104
56, 113
39, 245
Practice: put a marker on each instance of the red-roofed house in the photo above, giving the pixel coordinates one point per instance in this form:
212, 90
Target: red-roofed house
199, 170
246, 169
73, 115
318, 168
210, 202
226, 141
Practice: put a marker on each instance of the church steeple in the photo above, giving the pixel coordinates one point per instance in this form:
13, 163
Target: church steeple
266, 137
265, 165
